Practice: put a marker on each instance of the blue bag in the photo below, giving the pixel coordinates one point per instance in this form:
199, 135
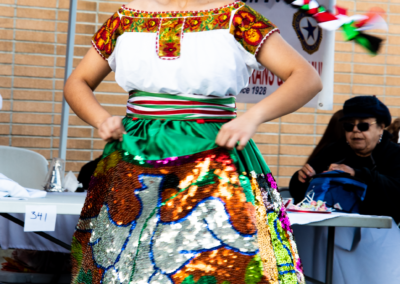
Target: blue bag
339, 190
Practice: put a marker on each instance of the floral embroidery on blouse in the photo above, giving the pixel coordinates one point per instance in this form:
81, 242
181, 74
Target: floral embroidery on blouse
104, 40
171, 26
250, 28
140, 25
207, 23
169, 38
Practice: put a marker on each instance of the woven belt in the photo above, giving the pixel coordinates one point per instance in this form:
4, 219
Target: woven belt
180, 107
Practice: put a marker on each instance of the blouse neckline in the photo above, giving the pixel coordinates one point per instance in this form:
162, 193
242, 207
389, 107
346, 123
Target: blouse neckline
139, 13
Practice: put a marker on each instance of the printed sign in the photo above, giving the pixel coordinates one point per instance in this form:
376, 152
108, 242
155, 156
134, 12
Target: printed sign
302, 32
40, 218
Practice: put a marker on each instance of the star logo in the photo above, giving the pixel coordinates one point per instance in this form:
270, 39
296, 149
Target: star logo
310, 29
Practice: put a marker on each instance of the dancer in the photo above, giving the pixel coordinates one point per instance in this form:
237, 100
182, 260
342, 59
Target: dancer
182, 194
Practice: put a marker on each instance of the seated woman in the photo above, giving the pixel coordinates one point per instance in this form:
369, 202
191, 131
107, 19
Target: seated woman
366, 153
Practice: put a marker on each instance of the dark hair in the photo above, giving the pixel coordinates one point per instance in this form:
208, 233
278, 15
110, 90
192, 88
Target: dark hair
394, 130
379, 122
333, 132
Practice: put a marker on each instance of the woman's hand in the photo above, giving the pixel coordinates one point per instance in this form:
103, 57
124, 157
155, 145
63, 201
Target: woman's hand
305, 173
240, 130
112, 129
343, 168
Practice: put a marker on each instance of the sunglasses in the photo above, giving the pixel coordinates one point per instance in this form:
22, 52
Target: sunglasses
362, 126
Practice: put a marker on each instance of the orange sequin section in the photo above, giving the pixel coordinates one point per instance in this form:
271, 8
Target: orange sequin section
230, 193
223, 264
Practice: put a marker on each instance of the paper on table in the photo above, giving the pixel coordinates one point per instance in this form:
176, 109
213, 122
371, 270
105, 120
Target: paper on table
10, 188
307, 218
40, 218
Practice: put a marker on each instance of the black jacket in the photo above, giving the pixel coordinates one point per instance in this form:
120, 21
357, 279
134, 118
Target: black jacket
380, 171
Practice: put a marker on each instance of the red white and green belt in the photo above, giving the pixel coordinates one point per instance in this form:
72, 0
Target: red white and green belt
180, 107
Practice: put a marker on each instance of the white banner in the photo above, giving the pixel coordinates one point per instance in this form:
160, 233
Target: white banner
302, 32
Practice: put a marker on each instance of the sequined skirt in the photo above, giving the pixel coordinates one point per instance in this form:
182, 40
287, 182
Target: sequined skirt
167, 205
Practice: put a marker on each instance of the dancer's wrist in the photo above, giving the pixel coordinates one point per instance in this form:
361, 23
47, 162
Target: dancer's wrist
101, 120
253, 118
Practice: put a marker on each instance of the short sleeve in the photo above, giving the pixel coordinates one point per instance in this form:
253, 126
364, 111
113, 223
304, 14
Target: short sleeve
106, 37
251, 29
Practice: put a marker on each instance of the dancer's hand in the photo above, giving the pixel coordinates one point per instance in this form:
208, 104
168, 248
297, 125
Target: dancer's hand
240, 130
112, 129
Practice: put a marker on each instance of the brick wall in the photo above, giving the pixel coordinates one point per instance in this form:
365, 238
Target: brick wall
32, 57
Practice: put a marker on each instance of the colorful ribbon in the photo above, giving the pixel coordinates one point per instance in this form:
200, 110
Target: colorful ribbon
352, 26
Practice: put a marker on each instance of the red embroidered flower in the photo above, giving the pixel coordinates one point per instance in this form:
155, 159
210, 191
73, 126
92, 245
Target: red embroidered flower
169, 50
247, 28
151, 25
126, 22
223, 18
103, 37
194, 23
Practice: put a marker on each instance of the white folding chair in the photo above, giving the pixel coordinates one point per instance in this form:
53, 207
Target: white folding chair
26, 167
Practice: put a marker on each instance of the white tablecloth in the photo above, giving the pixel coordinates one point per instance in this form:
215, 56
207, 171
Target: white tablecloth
307, 218
362, 255
13, 235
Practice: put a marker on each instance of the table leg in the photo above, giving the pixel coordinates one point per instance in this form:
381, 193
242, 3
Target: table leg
43, 235
329, 255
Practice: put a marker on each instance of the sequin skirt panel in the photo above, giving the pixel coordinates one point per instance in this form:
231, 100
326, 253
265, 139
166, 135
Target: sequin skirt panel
184, 220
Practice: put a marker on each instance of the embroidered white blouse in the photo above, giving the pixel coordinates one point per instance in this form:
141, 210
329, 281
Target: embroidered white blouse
209, 52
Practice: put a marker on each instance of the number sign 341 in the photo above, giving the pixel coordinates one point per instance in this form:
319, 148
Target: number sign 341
40, 218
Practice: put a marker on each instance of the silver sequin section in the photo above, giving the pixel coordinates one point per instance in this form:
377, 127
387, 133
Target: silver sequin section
143, 267
107, 239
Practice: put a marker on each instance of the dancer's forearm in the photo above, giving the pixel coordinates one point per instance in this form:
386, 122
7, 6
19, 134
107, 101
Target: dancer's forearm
302, 83
288, 97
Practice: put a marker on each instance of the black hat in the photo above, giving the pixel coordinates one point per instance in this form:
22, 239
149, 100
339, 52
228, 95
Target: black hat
365, 107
